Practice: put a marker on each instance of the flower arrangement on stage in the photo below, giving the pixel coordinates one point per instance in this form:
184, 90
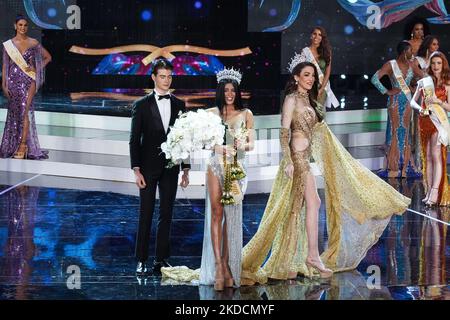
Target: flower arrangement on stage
240, 138
192, 131
233, 171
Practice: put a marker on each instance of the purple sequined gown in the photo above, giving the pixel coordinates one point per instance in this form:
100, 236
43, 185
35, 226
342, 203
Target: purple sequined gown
19, 207
18, 84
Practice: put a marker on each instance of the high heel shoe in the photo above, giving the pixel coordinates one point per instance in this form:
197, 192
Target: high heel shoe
219, 281
432, 202
425, 200
22, 152
229, 281
318, 266
219, 284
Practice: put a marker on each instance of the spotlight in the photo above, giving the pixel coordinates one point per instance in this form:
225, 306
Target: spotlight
343, 76
366, 77
348, 29
51, 12
365, 99
198, 4
146, 15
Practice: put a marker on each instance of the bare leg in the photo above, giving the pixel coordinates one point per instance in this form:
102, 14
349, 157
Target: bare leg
429, 172
437, 168
215, 193
312, 217
312, 227
21, 151
407, 146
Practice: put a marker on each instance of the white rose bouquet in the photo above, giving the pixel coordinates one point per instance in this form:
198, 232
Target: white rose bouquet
192, 131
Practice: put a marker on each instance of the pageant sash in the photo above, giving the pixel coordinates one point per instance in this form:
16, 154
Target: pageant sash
422, 62
401, 81
438, 115
331, 98
18, 59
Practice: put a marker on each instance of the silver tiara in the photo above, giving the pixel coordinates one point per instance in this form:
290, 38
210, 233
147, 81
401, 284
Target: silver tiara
229, 74
433, 54
296, 59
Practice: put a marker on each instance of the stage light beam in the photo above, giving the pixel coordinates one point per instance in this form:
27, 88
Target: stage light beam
146, 15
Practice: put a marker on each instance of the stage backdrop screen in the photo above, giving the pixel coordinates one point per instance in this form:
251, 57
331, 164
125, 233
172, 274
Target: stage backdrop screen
363, 34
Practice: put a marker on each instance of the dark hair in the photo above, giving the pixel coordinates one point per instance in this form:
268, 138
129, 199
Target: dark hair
220, 95
425, 46
20, 17
291, 86
445, 74
161, 64
409, 26
324, 50
402, 47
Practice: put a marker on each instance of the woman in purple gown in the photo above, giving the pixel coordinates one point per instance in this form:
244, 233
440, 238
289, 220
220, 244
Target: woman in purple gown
24, 60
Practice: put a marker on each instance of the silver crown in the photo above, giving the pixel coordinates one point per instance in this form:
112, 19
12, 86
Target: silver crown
296, 59
433, 54
230, 74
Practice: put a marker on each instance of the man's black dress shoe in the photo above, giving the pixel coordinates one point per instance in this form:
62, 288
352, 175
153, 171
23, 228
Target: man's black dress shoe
141, 268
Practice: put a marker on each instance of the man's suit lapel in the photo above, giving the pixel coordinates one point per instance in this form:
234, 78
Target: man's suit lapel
173, 111
154, 111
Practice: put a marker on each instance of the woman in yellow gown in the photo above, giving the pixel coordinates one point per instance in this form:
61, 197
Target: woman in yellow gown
358, 203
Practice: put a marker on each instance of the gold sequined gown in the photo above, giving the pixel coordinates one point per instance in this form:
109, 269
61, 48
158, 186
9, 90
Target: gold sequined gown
358, 208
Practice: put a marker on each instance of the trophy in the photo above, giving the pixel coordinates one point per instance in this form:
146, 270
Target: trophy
428, 92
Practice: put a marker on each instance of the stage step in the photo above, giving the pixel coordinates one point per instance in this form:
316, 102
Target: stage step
116, 168
115, 142
96, 147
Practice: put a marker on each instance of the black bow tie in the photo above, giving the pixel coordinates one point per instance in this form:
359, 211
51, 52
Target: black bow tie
166, 96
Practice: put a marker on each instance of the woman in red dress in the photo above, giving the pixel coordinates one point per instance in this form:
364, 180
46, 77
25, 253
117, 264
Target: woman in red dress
434, 134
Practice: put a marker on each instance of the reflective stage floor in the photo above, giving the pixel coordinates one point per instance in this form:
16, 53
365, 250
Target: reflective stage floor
46, 233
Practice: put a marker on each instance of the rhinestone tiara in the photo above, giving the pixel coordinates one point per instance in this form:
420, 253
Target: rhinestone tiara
433, 54
296, 59
230, 74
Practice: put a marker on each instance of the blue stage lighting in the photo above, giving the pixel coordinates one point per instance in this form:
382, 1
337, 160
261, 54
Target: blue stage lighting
146, 15
51, 12
348, 29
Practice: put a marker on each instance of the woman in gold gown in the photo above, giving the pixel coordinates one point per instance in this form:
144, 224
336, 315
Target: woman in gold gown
358, 203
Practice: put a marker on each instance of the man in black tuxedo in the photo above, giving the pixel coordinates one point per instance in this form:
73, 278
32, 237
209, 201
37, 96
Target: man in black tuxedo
152, 116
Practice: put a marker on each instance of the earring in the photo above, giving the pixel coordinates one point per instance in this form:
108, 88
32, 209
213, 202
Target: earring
296, 82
